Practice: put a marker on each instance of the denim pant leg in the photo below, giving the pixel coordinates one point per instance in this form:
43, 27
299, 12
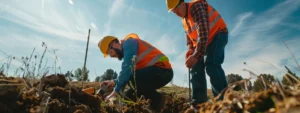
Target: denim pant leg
214, 59
198, 80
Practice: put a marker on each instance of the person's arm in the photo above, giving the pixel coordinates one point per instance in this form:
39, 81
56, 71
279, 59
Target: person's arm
189, 43
199, 12
130, 48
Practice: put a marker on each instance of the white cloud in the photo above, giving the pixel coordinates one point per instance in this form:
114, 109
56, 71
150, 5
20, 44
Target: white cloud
116, 7
93, 25
166, 44
240, 22
54, 22
257, 41
71, 2
295, 26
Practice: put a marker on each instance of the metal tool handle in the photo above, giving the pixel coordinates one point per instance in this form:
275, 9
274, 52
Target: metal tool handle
102, 89
190, 97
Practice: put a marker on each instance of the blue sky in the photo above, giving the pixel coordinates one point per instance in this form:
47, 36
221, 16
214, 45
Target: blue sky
257, 31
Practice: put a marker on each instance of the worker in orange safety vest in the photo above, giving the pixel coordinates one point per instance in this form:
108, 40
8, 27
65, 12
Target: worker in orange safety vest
206, 34
143, 65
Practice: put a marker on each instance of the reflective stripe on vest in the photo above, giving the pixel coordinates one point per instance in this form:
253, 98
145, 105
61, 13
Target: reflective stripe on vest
159, 57
211, 24
142, 55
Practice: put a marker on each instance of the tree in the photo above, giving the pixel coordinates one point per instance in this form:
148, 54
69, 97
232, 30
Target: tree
78, 74
97, 79
109, 74
259, 84
231, 78
287, 79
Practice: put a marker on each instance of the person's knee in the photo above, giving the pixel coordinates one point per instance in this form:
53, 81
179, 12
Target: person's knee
211, 69
170, 75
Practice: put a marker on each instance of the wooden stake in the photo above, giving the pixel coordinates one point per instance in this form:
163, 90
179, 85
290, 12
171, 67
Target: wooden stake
86, 51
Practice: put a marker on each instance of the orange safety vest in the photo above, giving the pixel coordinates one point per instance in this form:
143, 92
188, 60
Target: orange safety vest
216, 23
148, 55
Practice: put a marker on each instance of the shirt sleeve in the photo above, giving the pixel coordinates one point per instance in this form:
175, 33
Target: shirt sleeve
130, 48
199, 14
189, 42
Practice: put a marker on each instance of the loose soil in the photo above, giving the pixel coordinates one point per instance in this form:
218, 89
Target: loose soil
57, 95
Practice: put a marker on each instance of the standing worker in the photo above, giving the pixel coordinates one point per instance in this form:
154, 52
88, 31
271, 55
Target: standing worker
206, 34
152, 68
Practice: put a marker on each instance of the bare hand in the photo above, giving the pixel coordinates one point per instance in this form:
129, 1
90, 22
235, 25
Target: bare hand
112, 94
191, 61
108, 83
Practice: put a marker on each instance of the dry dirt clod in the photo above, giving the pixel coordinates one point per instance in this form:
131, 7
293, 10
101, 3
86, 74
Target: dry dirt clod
14, 98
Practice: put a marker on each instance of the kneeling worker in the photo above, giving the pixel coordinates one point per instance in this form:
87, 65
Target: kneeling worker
152, 68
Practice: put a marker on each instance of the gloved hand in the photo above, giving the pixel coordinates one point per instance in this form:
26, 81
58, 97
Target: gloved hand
189, 53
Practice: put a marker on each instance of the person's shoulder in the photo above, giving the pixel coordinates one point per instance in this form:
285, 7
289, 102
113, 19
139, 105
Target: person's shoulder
198, 4
130, 42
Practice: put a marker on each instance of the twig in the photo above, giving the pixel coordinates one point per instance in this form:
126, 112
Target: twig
245, 63
290, 75
251, 73
293, 56
42, 58
280, 89
261, 77
27, 65
45, 68
233, 85
4, 52
288, 79
33, 71
298, 82
263, 80
8, 64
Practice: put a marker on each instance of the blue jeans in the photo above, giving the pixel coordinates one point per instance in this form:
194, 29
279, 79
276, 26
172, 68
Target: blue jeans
212, 66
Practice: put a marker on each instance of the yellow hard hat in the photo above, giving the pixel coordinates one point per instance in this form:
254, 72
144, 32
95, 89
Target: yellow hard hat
171, 4
104, 43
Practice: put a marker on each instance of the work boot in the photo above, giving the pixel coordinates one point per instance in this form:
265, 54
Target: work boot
193, 104
161, 104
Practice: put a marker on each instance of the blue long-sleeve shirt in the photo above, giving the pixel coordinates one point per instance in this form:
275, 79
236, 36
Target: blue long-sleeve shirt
130, 48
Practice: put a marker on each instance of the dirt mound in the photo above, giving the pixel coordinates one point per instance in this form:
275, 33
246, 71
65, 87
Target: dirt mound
17, 98
9, 92
75, 97
272, 100
174, 104
52, 81
55, 106
56, 95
